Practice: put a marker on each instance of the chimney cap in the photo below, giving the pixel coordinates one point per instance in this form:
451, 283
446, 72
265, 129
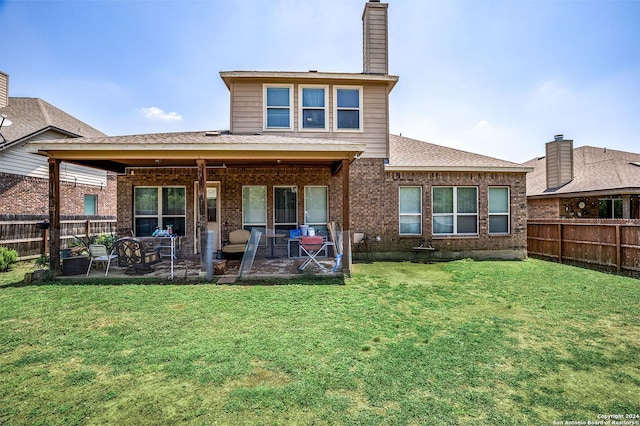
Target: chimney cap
558, 137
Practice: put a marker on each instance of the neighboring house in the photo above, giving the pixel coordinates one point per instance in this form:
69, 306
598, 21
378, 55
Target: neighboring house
585, 182
313, 147
24, 186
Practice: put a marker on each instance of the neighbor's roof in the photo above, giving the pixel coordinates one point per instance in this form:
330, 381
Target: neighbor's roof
594, 170
32, 116
407, 154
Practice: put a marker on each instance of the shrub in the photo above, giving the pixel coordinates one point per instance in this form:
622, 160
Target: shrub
7, 257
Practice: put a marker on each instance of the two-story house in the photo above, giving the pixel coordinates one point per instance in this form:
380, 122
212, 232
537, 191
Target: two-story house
310, 148
24, 186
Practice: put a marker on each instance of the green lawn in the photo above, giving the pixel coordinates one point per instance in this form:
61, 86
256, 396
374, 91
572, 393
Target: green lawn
465, 342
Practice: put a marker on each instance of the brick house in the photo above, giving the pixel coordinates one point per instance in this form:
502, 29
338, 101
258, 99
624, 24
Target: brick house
309, 148
586, 182
24, 177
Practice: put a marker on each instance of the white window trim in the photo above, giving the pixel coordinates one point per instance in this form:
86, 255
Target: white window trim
400, 214
295, 190
508, 213
266, 202
264, 107
160, 216
326, 202
335, 109
301, 108
455, 213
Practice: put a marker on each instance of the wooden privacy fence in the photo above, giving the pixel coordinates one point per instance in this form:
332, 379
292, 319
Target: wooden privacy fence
22, 233
612, 244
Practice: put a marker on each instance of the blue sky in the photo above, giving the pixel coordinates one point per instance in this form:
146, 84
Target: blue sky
494, 77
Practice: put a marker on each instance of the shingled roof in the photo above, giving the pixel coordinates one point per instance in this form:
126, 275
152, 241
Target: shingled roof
407, 154
594, 170
31, 116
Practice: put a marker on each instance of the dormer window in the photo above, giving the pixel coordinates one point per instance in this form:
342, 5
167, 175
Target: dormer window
348, 108
313, 107
278, 101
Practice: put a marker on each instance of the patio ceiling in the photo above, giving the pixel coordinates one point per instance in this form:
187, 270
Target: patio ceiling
218, 149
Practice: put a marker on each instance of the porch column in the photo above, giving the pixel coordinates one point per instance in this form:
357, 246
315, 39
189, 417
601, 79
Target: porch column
626, 206
54, 216
202, 211
345, 196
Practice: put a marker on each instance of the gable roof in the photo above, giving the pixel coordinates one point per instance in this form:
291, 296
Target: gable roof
594, 170
32, 116
407, 154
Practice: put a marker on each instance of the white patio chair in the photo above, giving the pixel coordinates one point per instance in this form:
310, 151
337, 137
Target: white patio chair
98, 253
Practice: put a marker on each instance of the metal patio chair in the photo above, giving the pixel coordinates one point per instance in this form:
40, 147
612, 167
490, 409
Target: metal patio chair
98, 253
312, 246
131, 254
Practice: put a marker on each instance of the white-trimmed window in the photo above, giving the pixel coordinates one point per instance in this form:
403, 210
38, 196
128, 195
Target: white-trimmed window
610, 208
90, 204
278, 103
499, 222
254, 208
347, 102
159, 206
316, 207
455, 210
410, 208
313, 107
285, 209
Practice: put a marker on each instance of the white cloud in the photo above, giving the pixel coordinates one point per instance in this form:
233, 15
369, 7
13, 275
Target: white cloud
155, 113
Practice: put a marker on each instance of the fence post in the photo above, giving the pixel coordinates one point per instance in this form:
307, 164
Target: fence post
618, 249
88, 229
560, 242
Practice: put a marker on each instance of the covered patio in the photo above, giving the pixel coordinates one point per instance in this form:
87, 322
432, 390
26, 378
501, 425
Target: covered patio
232, 165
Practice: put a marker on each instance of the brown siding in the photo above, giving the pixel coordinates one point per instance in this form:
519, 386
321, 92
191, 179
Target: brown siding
374, 21
247, 114
4, 90
559, 157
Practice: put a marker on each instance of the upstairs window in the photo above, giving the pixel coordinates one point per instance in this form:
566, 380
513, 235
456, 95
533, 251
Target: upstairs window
455, 210
278, 101
348, 108
313, 105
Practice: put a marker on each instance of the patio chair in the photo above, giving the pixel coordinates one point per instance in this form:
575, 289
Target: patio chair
312, 246
131, 254
98, 253
237, 243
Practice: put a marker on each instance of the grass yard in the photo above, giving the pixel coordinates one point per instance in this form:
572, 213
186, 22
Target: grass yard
464, 342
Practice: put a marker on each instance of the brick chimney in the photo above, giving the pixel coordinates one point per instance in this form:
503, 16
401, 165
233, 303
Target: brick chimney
375, 38
559, 155
4, 90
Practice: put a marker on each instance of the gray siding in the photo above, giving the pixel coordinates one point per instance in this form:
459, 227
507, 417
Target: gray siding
15, 160
247, 114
